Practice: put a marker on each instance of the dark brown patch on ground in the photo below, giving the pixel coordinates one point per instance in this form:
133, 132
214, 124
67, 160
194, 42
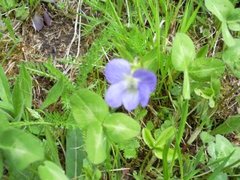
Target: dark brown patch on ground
51, 41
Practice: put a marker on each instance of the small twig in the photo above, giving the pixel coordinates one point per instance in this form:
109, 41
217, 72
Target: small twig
75, 29
116, 170
79, 32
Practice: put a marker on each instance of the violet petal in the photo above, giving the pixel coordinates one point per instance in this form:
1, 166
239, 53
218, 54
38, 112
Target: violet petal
37, 22
114, 94
116, 69
144, 94
146, 77
130, 100
47, 19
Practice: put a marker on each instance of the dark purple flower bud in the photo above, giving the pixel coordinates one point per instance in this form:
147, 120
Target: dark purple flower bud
128, 88
47, 19
37, 22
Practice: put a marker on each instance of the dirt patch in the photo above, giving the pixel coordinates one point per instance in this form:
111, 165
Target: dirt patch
52, 41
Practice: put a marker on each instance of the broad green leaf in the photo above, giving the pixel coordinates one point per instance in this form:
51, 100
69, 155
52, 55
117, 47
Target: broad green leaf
120, 127
235, 26
223, 146
203, 51
183, 52
220, 8
227, 37
220, 176
129, 148
20, 149
221, 149
26, 86
165, 136
159, 154
204, 68
5, 117
1, 166
148, 138
50, 171
206, 137
88, 107
232, 58
54, 94
228, 126
18, 99
5, 93
96, 143
206, 93
7, 107
233, 20
74, 153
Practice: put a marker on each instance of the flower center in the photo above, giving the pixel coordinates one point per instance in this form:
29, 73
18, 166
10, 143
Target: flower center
132, 83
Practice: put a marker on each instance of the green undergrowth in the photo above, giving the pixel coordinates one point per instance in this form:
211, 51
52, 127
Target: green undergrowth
55, 123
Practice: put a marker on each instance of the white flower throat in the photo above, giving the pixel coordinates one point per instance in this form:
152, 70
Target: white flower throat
132, 83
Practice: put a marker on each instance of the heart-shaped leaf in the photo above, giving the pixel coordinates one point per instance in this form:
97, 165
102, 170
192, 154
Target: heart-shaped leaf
183, 52
51, 171
120, 127
20, 149
220, 8
96, 145
203, 69
88, 107
148, 138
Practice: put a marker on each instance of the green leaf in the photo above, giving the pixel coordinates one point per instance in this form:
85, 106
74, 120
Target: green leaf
54, 94
232, 58
186, 86
26, 86
148, 138
183, 52
22, 12
206, 137
4, 116
220, 8
1, 166
129, 148
204, 68
223, 146
165, 136
51, 147
96, 145
227, 37
228, 126
120, 127
50, 171
8, 23
233, 20
159, 154
88, 107
206, 93
20, 149
74, 153
18, 100
5, 93
8, 4
203, 51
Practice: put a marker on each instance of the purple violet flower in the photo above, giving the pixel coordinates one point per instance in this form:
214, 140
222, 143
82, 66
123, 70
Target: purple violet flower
128, 88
